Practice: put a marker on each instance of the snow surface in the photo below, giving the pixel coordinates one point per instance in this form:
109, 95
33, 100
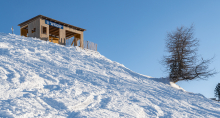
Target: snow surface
47, 80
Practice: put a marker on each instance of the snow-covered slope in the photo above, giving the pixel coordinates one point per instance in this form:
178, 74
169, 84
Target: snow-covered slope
43, 79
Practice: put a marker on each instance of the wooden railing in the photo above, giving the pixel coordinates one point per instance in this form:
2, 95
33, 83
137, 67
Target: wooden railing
90, 45
86, 44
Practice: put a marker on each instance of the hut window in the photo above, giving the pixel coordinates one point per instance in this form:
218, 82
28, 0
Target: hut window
33, 30
44, 30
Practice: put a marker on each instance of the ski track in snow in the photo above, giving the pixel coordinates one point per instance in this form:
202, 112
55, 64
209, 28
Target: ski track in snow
43, 79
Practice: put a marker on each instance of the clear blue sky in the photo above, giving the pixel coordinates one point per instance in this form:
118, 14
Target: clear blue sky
131, 32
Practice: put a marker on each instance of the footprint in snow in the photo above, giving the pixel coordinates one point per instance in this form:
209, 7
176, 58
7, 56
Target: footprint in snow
9, 74
104, 102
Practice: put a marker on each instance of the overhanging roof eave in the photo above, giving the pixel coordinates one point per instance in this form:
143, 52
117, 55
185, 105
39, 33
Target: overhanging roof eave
53, 20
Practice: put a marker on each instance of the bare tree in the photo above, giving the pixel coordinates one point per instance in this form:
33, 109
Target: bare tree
217, 91
183, 63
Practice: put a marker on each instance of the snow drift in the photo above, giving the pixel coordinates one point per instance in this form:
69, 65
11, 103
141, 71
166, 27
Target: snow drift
43, 79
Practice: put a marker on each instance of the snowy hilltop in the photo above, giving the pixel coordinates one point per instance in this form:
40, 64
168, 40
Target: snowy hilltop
46, 80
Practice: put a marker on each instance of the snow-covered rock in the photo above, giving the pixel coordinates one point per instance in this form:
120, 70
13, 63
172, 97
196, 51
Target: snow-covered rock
47, 80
